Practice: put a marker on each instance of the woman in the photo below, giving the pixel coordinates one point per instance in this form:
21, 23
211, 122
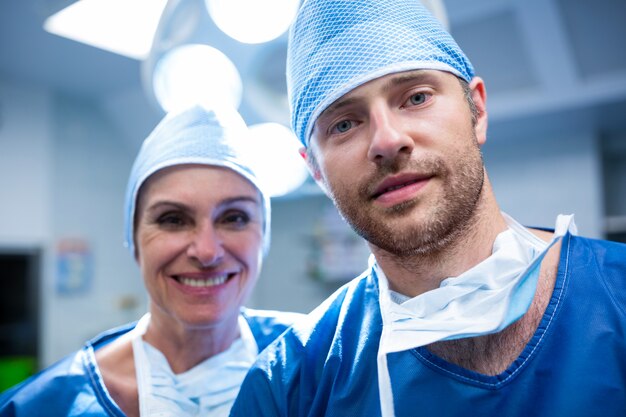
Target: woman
197, 222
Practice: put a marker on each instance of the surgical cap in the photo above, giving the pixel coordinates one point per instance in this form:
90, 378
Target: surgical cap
338, 45
195, 136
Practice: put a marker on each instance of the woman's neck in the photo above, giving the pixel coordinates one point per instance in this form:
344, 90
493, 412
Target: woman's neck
186, 346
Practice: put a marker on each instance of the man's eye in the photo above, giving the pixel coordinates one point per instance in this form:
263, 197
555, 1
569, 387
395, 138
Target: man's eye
343, 126
417, 99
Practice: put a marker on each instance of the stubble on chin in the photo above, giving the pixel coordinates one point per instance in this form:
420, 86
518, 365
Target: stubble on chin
417, 227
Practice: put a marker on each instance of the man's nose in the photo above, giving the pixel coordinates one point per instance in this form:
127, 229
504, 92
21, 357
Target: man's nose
206, 246
389, 138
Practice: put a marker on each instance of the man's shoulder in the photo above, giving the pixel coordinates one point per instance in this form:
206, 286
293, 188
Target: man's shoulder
298, 371
600, 261
353, 298
608, 254
267, 325
270, 318
337, 320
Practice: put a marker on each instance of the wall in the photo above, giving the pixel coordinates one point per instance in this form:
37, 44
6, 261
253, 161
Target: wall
25, 164
614, 162
91, 163
541, 175
286, 282
63, 170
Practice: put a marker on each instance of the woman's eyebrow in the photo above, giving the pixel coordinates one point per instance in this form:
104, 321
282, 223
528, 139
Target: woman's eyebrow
160, 203
239, 199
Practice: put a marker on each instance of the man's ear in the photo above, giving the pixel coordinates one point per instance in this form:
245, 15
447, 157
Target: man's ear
312, 165
314, 169
479, 96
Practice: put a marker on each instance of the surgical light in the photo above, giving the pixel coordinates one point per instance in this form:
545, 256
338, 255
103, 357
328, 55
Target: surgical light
276, 158
196, 73
253, 21
125, 27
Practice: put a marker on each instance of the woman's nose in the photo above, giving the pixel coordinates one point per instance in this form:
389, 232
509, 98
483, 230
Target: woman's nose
389, 138
206, 246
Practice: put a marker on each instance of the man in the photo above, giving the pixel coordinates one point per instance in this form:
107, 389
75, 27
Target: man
463, 311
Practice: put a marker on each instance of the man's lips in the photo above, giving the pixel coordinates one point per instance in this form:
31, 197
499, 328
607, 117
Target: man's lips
397, 182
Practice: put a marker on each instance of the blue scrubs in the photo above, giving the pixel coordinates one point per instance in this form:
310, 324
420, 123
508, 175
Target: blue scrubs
74, 386
574, 365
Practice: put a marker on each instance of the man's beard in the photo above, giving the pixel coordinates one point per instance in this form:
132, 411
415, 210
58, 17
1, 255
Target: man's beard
444, 221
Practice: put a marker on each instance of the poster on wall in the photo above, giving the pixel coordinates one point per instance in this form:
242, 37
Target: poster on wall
74, 266
336, 254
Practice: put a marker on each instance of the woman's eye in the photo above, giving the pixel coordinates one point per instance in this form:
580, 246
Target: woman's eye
343, 126
417, 99
237, 219
171, 220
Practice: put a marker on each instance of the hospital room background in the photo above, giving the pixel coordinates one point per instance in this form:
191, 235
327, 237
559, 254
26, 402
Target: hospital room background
73, 115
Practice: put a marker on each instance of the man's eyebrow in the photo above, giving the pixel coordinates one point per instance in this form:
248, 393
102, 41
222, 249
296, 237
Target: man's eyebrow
338, 105
417, 76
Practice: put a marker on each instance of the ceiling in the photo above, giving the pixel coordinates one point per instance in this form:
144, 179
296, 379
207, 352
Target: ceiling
540, 58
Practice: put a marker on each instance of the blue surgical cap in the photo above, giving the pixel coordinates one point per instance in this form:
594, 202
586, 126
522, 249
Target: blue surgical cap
338, 45
195, 136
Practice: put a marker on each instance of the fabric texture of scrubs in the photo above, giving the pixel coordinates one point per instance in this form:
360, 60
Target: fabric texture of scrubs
74, 385
574, 364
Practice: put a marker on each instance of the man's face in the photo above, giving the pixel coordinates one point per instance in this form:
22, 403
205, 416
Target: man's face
400, 157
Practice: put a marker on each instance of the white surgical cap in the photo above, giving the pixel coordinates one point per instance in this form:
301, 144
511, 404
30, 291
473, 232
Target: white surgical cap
338, 45
195, 136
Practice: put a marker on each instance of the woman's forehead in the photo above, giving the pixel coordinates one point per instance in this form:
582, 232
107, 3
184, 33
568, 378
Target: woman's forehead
198, 182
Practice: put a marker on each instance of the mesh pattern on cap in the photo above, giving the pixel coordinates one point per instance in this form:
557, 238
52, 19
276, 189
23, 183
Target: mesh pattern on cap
337, 45
195, 136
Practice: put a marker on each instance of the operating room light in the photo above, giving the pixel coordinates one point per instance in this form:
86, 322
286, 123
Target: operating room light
125, 27
196, 74
276, 158
253, 21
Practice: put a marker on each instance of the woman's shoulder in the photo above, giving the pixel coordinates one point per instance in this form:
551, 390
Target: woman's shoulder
60, 388
117, 369
53, 389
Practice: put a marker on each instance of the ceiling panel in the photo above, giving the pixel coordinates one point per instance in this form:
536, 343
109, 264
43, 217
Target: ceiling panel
597, 30
497, 49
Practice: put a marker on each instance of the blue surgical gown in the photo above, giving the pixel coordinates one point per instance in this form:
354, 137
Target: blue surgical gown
574, 365
74, 385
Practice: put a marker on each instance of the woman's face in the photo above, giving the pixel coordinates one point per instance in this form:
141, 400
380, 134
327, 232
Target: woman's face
199, 234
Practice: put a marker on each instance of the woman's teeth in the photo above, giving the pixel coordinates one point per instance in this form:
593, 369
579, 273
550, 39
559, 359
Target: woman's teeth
210, 282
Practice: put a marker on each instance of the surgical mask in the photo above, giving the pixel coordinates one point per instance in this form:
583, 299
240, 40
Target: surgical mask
483, 300
208, 389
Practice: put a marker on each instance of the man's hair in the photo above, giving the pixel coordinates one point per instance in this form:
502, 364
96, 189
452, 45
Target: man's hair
467, 92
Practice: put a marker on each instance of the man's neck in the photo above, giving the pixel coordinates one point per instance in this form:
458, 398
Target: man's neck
415, 274
492, 354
